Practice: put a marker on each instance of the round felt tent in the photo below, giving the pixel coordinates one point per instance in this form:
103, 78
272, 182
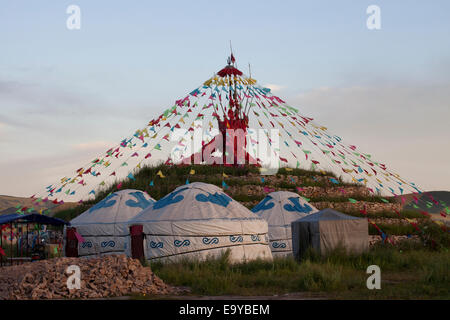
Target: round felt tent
103, 228
196, 221
279, 209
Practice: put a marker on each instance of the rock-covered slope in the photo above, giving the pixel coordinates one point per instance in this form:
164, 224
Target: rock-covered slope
248, 186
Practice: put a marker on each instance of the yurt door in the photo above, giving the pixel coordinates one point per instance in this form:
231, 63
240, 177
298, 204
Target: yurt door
137, 241
71, 243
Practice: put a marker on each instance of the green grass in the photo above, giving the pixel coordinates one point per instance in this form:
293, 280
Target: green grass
69, 214
389, 214
406, 273
393, 229
345, 199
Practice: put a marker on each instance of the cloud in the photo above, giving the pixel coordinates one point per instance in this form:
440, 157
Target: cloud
274, 87
93, 145
33, 97
2, 131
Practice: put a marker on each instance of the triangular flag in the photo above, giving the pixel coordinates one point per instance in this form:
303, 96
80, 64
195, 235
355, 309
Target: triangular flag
79, 237
161, 174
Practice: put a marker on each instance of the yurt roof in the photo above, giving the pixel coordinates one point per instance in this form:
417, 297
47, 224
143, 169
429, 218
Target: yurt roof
327, 214
119, 206
272, 200
195, 201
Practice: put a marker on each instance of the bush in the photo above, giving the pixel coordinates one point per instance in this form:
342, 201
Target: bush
434, 236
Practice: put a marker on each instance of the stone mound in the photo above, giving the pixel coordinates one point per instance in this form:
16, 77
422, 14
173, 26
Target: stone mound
108, 276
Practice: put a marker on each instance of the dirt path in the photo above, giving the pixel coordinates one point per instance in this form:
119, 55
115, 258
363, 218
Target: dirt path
288, 296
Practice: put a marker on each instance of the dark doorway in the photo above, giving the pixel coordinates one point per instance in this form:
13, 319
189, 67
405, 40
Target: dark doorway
137, 242
71, 243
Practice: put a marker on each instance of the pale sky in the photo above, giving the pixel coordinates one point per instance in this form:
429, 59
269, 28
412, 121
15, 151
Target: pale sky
68, 95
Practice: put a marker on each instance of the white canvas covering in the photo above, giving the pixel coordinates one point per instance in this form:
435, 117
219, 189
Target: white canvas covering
104, 226
279, 209
198, 220
328, 229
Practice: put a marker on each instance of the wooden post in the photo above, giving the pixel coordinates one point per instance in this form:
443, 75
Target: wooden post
11, 244
27, 238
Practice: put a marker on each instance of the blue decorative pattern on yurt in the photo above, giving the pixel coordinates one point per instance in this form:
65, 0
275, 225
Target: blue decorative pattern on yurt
155, 245
277, 245
297, 206
184, 243
109, 243
264, 205
105, 203
236, 238
140, 202
86, 244
211, 241
171, 198
216, 198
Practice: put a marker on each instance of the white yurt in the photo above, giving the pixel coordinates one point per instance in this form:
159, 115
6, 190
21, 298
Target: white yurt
103, 228
279, 209
196, 221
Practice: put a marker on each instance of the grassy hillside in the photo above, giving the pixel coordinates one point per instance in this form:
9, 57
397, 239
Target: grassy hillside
176, 176
248, 186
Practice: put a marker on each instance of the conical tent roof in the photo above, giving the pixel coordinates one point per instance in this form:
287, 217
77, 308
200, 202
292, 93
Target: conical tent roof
195, 201
328, 214
199, 219
279, 209
119, 206
104, 226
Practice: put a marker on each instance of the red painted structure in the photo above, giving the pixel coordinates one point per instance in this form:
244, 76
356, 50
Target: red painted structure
234, 120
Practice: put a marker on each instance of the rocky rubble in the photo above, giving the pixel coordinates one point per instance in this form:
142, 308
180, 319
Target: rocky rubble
371, 207
309, 192
374, 239
108, 276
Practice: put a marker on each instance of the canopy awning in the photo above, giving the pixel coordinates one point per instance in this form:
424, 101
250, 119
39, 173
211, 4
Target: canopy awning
32, 218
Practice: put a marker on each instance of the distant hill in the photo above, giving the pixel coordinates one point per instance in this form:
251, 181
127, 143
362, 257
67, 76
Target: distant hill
8, 204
